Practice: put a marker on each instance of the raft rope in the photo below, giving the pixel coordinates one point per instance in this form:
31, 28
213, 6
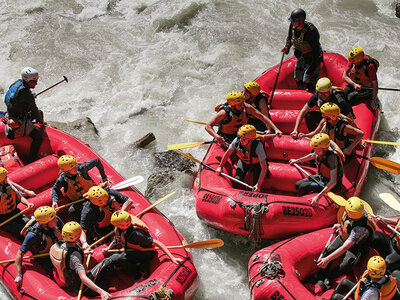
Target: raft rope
162, 293
252, 220
272, 270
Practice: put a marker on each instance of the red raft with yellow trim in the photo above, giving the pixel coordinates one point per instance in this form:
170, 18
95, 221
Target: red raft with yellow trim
181, 281
281, 271
277, 212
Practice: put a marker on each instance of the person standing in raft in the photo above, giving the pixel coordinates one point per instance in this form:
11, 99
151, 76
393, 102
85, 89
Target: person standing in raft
232, 115
134, 234
257, 98
9, 198
329, 159
325, 93
341, 129
250, 150
67, 258
355, 235
376, 283
41, 232
75, 180
22, 110
304, 37
96, 213
361, 79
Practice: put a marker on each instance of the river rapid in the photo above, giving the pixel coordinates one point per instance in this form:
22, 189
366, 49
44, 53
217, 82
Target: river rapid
144, 66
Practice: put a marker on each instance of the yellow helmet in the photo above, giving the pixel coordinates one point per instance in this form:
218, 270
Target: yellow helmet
324, 85
354, 208
320, 140
376, 267
66, 163
356, 55
253, 87
71, 231
3, 174
121, 219
98, 196
44, 214
248, 131
234, 97
330, 110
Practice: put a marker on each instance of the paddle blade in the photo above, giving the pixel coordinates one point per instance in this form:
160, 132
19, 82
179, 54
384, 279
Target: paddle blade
188, 156
382, 142
385, 164
339, 200
390, 200
186, 145
368, 208
128, 182
214, 243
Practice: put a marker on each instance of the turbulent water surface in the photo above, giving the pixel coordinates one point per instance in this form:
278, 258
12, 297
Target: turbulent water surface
143, 66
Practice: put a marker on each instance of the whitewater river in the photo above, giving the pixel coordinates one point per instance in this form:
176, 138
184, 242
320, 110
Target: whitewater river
143, 66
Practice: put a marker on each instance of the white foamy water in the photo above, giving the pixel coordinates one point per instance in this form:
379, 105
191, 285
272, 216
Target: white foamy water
143, 66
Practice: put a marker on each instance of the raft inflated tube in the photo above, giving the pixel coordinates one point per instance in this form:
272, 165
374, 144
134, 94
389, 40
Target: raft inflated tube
285, 120
290, 99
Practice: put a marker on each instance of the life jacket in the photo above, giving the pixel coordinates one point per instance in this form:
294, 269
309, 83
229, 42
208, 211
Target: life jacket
248, 155
137, 224
12, 93
77, 185
232, 122
359, 74
387, 286
8, 199
298, 42
48, 236
323, 165
347, 224
60, 256
336, 132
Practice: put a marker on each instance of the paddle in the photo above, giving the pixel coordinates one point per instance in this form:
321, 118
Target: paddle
154, 204
197, 122
326, 246
187, 145
127, 183
390, 201
382, 142
276, 79
309, 175
383, 164
81, 286
50, 87
382, 88
211, 168
14, 216
214, 243
339, 200
351, 291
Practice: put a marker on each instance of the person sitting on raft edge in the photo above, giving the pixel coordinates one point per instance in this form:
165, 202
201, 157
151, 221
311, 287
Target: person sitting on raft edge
329, 160
249, 147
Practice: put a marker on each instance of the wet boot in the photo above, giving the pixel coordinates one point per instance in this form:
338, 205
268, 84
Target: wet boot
36, 142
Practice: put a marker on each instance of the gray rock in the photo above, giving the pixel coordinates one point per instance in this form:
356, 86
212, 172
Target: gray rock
398, 9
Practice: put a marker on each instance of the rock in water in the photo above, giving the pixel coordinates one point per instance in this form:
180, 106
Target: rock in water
398, 9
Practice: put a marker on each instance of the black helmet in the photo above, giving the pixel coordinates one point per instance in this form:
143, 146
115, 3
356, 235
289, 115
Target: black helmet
297, 15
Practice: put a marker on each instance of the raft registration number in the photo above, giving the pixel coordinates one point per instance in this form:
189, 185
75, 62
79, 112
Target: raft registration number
296, 211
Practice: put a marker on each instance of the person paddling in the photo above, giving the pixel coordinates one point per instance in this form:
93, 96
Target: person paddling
324, 93
248, 146
329, 159
232, 115
75, 180
41, 232
133, 233
360, 76
304, 37
257, 98
341, 129
22, 111
9, 198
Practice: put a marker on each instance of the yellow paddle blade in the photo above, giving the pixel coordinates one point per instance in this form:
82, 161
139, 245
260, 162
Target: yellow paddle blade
188, 156
197, 122
390, 200
382, 142
339, 200
385, 164
368, 208
185, 145
214, 243
154, 204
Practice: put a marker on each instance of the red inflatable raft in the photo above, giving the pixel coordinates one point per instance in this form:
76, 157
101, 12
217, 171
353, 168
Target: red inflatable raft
280, 271
277, 211
181, 280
